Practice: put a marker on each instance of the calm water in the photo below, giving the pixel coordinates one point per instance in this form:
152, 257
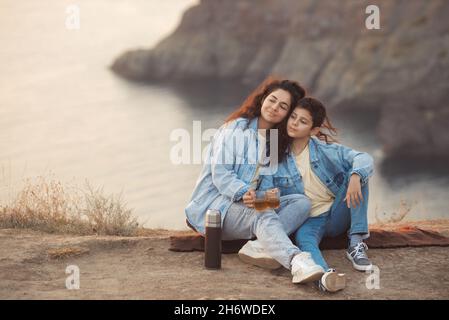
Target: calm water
63, 112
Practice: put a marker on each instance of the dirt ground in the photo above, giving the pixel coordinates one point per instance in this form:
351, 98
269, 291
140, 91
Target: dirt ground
33, 266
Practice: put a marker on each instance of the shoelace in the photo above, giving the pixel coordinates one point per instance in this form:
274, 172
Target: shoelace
320, 286
319, 283
359, 251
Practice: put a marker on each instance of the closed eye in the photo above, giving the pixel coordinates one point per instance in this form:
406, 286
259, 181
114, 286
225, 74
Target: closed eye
304, 120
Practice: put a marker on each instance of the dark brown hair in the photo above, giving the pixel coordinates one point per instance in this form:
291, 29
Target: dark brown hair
319, 119
251, 107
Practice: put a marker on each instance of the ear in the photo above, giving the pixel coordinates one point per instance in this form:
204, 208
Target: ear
315, 131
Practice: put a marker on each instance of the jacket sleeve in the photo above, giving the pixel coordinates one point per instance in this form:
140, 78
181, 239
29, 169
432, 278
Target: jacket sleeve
223, 159
360, 163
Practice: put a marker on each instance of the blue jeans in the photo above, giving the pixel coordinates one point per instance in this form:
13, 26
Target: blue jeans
271, 227
332, 223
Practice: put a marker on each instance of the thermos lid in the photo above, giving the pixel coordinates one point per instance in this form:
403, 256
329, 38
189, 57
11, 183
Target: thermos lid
213, 218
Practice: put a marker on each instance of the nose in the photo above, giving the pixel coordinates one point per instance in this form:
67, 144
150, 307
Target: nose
276, 107
295, 122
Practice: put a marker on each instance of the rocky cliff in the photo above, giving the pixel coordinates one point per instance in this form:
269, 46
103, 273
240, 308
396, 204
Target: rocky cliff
402, 70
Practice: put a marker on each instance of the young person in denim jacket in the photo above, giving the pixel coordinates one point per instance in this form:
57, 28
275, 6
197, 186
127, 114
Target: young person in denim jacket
335, 178
230, 177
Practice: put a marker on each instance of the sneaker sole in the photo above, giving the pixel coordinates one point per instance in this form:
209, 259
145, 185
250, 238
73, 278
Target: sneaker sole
357, 266
311, 276
266, 263
335, 282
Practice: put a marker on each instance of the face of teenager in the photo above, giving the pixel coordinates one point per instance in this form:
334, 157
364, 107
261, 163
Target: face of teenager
275, 106
299, 124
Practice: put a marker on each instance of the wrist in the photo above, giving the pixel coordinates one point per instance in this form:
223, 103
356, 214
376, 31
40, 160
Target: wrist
239, 195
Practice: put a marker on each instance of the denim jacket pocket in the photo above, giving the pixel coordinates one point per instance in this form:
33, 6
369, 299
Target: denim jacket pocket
285, 185
339, 179
283, 182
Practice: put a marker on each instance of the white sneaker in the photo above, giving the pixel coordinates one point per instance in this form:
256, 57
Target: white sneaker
253, 253
332, 281
304, 269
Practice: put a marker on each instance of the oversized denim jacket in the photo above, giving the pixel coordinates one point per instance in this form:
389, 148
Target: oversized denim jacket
230, 165
332, 163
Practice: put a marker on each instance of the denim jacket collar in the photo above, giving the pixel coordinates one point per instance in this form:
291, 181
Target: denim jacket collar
313, 150
253, 124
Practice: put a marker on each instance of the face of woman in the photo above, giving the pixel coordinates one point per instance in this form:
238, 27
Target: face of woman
299, 124
275, 106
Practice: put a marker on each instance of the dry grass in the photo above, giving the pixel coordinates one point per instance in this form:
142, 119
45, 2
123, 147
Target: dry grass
48, 205
66, 252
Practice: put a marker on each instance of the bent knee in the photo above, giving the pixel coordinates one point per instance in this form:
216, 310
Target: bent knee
267, 215
263, 219
302, 203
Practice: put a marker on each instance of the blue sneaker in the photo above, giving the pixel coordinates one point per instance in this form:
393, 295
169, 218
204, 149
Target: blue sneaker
357, 255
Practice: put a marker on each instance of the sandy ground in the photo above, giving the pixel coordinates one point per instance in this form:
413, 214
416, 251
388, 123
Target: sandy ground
33, 266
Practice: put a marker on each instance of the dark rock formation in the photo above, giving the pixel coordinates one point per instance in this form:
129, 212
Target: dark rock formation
402, 70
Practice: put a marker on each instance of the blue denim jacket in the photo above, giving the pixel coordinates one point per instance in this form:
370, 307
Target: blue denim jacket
229, 167
332, 163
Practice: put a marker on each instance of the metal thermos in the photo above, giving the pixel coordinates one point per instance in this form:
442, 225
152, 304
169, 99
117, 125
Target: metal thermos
212, 243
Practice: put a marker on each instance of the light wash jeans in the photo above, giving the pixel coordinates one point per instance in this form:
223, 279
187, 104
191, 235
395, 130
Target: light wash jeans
271, 227
336, 221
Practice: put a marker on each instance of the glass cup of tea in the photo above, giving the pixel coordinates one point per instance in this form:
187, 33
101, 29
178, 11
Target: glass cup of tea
272, 197
269, 199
